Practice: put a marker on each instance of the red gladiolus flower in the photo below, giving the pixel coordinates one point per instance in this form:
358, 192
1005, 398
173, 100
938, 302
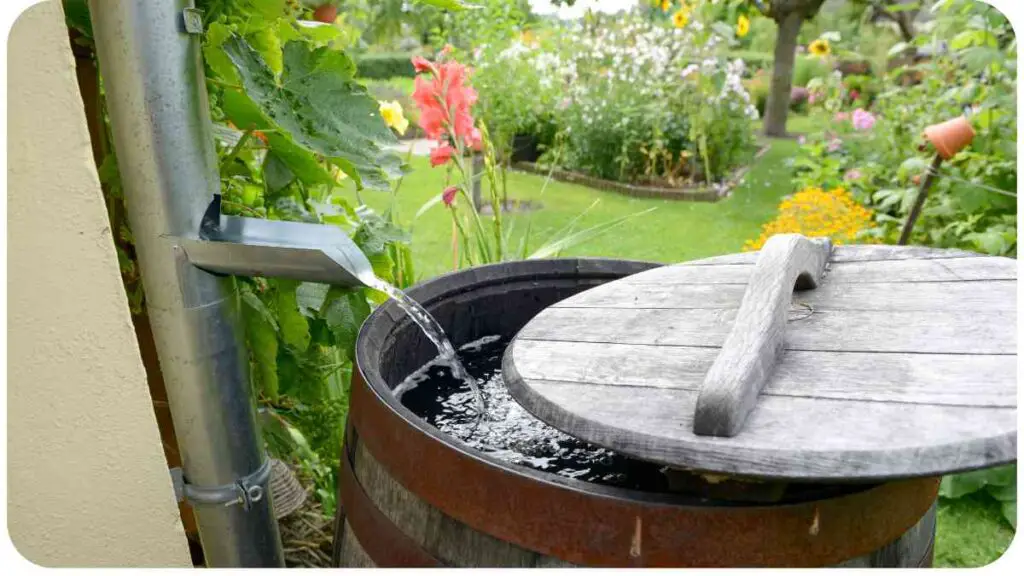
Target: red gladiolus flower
421, 65
448, 196
475, 140
441, 155
444, 102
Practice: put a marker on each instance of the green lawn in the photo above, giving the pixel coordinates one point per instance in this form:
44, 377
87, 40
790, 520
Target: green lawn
971, 531
674, 232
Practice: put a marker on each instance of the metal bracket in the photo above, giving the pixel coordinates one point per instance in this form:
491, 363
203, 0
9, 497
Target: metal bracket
246, 491
193, 20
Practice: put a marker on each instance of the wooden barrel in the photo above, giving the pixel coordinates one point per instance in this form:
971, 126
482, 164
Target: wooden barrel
411, 496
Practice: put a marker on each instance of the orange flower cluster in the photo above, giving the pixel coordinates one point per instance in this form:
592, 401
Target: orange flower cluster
815, 212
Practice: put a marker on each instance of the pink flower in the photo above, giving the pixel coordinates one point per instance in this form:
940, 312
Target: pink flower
448, 196
801, 140
441, 155
854, 95
862, 119
446, 50
834, 145
842, 116
475, 140
421, 65
852, 174
444, 102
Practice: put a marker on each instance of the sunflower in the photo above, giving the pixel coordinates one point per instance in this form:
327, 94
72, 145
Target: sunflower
665, 5
681, 17
820, 48
742, 26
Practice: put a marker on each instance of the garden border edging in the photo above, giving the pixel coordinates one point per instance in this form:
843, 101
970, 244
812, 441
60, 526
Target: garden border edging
692, 194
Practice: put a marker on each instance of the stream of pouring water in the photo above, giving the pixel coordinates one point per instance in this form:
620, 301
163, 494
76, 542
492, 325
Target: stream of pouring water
435, 333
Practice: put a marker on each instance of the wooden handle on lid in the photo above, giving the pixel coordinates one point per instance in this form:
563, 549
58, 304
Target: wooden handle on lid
787, 262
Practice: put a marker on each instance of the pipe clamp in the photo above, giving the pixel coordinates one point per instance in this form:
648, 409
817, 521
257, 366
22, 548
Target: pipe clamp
245, 491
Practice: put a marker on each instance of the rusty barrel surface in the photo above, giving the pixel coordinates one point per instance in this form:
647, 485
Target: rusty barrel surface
412, 496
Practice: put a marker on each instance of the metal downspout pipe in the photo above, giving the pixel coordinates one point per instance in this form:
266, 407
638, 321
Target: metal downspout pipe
156, 99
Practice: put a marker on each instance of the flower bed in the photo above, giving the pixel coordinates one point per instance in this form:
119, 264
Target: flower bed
697, 193
641, 103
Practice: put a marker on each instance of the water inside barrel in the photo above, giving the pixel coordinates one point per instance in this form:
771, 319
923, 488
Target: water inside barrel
507, 432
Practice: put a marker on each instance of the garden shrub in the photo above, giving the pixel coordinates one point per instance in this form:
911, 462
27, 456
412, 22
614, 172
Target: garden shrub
382, 66
972, 204
635, 101
807, 68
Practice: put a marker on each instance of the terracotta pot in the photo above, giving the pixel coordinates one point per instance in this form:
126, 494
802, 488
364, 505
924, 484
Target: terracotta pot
950, 136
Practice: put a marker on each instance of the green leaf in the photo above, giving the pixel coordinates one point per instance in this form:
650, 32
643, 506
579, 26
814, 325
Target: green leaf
276, 173
556, 246
961, 484
294, 328
911, 167
897, 8
241, 110
1010, 513
434, 201
268, 44
1003, 493
321, 108
257, 307
311, 297
261, 331
449, 4
214, 55
76, 14
344, 311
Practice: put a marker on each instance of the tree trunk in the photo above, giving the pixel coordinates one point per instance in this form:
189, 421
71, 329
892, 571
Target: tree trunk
777, 107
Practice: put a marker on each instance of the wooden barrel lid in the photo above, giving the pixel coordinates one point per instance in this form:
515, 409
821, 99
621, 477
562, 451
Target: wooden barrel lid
901, 362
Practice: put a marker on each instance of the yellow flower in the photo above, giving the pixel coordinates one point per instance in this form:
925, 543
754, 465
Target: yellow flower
665, 5
681, 17
528, 38
820, 47
815, 212
742, 26
393, 116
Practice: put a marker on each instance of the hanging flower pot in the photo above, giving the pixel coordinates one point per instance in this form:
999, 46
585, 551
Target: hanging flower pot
950, 136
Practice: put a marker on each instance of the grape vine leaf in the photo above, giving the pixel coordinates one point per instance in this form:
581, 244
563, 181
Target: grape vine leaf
317, 104
344, 311
294, 328
261, 329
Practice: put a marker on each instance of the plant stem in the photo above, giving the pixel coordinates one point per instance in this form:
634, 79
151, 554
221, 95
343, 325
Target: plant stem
237, 148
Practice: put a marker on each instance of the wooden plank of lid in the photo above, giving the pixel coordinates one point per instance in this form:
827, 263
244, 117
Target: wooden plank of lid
864, 390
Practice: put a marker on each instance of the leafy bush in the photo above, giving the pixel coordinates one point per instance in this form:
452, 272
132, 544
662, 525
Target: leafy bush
634, 101
755, 61
385, 65
972, 204
999, 483
807, 68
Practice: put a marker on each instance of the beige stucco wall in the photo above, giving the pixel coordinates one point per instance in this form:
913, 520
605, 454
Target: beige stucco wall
87, 480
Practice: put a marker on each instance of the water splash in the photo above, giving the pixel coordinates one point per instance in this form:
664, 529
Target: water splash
436, 335
507, 431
